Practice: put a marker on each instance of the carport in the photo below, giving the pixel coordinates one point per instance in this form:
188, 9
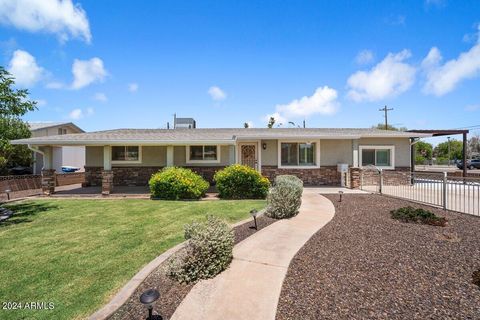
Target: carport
440, 133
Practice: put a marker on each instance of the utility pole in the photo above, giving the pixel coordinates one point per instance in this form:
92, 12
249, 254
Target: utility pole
448, 138
385, 109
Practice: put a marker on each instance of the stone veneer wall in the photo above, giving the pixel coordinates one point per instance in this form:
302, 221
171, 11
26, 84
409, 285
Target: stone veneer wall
137, 176
327, 175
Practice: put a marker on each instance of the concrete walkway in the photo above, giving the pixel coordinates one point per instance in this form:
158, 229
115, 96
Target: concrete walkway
250, 287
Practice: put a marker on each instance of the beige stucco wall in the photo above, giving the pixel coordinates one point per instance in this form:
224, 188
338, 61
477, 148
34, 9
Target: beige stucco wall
335, 151
180, 155
402, 148
152, 156
52, 131
270, 154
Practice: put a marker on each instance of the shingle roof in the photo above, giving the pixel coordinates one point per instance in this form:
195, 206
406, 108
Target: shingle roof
227, 136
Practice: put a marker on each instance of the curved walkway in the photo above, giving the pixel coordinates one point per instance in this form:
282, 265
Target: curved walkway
250, 287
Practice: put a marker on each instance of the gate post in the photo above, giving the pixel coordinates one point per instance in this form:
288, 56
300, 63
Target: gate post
444, 191
381, 181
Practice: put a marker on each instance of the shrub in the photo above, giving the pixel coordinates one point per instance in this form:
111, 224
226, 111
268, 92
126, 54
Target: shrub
177, 183
285, 198
410, 214
241, 182
208, 252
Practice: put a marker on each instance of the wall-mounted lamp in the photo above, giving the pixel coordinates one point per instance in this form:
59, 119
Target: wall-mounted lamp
264, 146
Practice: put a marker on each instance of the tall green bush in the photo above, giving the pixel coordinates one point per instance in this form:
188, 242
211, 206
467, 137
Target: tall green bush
241, 182
285, 197
208, 252
176, 184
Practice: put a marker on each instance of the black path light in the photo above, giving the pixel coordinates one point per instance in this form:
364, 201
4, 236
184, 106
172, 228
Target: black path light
148, 298
254, 214
340, 193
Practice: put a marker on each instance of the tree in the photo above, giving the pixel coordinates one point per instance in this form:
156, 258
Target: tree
423, 152
14, 104
271, 122
246, 125
456, 147
474, 145
381, 126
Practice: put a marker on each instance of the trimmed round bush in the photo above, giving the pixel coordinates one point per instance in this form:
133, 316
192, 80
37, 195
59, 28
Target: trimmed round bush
208, 252
176, 184
285, 198
241, 182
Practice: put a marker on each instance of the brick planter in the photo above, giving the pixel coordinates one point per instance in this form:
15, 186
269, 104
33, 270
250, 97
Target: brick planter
310, 177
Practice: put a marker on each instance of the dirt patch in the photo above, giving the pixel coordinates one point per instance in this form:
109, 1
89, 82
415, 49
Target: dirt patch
366, 265
172, 292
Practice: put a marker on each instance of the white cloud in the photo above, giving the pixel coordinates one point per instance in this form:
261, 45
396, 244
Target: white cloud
60, 17
54, 85
133, 87
388, 78
250, 124
279, 119
86, 72
24, 68
77, 114
323, 101
364, 57
100, 96
441, 79
216, 93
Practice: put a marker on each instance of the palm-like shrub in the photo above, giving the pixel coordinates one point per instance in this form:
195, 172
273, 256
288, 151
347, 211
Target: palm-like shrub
177, 183
285, 197
208, 252
241, 182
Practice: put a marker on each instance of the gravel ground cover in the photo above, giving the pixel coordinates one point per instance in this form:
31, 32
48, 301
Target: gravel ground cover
366, 265
172, 292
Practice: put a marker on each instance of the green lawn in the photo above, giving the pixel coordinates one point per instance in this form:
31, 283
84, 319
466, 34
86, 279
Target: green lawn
78, 253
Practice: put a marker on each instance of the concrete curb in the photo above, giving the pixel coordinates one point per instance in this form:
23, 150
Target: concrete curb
126, 292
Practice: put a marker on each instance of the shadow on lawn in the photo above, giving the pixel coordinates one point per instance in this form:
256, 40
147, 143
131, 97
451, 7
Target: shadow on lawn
22, 212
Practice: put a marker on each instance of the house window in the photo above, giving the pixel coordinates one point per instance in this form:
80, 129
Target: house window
207, 153
62, 131
379, 156
125, 153
297, 154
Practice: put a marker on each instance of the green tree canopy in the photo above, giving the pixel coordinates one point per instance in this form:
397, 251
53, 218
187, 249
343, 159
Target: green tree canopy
271, 122
456, 147
423, 152
14, 104
381, 126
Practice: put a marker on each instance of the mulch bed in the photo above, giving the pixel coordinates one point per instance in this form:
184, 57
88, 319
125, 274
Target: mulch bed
366, 265
172, 292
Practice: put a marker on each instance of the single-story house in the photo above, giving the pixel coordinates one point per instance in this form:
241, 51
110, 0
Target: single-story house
131, 156
73, 156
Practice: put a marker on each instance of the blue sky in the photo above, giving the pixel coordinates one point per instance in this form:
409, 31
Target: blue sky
112, 64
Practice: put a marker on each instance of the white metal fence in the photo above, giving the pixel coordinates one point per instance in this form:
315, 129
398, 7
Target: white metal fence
460, 194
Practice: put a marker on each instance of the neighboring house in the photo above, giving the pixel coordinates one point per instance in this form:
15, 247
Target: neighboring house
130, 156
73, 156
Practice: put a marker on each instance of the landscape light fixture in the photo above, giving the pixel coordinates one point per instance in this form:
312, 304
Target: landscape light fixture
254, 214
340, 194
148, 298
8, 193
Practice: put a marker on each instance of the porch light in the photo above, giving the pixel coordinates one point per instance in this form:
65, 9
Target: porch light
148, 298
254, 214
264, 146
340, 193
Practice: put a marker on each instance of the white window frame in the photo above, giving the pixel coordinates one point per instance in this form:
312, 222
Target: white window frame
127, 161
376, 147
317, 154
187, 154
